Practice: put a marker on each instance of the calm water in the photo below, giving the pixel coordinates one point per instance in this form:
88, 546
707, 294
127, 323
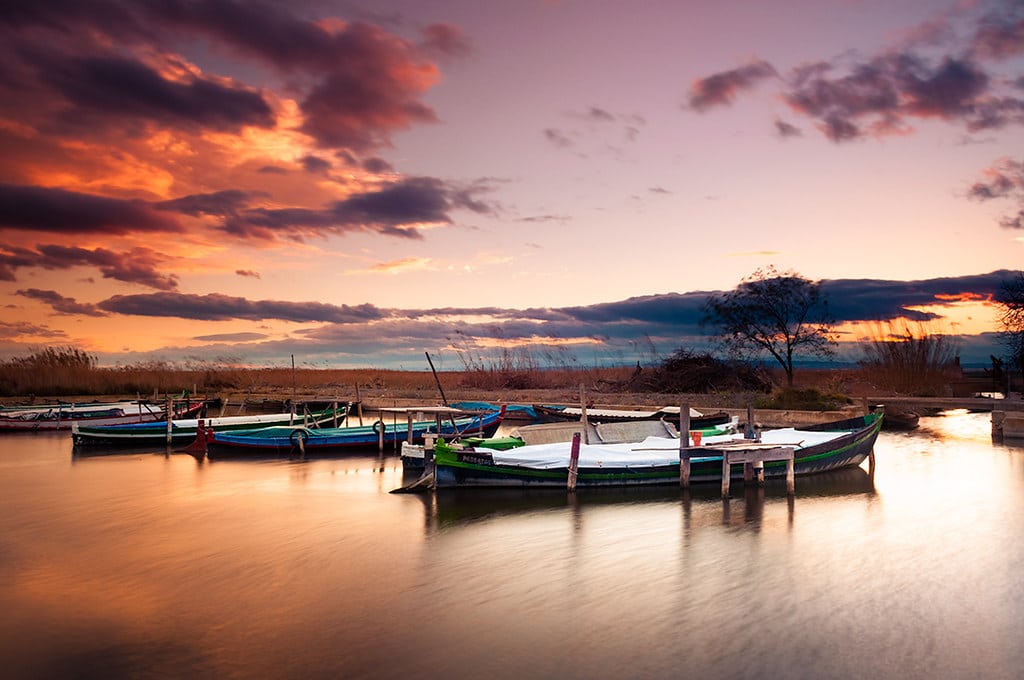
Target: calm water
141, 565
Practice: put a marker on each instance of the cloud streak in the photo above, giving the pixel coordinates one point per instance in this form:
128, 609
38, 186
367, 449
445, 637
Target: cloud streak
850, 300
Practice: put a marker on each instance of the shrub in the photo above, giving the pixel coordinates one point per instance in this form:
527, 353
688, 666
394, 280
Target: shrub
909, 360
692, 373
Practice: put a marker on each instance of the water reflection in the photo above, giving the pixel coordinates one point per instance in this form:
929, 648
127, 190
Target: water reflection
146, 564
448, 509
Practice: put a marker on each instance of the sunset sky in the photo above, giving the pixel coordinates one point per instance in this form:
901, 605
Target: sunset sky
355, 183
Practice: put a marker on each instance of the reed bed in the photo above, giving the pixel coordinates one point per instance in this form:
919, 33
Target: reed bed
65, 372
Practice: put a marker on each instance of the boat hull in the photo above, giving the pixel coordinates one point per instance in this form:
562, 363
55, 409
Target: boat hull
48, 422
288, 441
185, 431
550, 414
476, 469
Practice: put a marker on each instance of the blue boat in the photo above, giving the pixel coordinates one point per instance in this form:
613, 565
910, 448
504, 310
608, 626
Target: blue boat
290, 441
185, 430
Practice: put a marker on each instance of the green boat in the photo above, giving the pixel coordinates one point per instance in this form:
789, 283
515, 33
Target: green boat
549, 433
185, 430
655, 460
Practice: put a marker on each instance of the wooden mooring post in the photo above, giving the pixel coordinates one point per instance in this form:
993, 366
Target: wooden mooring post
574, 462
684, 446
169, 413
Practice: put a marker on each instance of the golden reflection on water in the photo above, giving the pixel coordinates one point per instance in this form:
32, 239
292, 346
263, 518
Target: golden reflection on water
146, 564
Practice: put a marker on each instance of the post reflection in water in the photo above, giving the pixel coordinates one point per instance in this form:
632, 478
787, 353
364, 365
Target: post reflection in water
144, 563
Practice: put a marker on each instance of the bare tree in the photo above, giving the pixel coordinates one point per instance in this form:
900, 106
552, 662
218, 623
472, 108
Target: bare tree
781, 314
1011, 299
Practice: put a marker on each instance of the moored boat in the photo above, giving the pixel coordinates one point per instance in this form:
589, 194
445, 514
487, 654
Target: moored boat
550, 433
185, 430
553, 414
655, 460
61, 417
283, 440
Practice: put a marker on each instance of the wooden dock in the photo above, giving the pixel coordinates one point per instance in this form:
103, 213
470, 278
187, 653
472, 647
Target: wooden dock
752, 455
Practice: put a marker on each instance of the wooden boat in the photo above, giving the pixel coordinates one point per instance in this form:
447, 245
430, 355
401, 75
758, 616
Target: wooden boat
552, 414
655, 460
62, 417
283, 440
549, 433
901, 421
185, 430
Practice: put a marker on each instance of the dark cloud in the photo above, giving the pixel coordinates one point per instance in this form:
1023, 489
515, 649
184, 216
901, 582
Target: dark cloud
671, 309
785, 130
1005, 179
356, 83
627, 330
371, 91
445, 40
881, 300
247, 272
139, 265
13, 258
217, 307
540, 219
60, 303
1013, 221
376, 165
721, 88
231, 337
218, 203
850, 98
558, 138
119, 88
315, 165
9, 331
32, 208
1000, 32
394, 209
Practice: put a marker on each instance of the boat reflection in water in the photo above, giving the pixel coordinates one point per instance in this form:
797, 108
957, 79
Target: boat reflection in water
450, 508
149, 564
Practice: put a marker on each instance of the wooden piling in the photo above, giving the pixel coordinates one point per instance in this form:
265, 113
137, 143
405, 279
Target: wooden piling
170, 418
684, 446
583, 413
725, 474
574, 462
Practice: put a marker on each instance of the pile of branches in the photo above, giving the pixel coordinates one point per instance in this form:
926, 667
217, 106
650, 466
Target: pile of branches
686, 372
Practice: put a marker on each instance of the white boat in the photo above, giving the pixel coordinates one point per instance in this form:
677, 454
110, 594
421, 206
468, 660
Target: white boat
63, 416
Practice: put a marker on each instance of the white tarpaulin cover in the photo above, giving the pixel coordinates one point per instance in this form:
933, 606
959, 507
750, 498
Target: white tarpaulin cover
650, 452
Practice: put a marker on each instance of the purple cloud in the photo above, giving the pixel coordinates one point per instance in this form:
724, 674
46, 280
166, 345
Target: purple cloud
1005, 179
392, 210
60, 303
32, 208
217, 307
721, 88
139, 265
